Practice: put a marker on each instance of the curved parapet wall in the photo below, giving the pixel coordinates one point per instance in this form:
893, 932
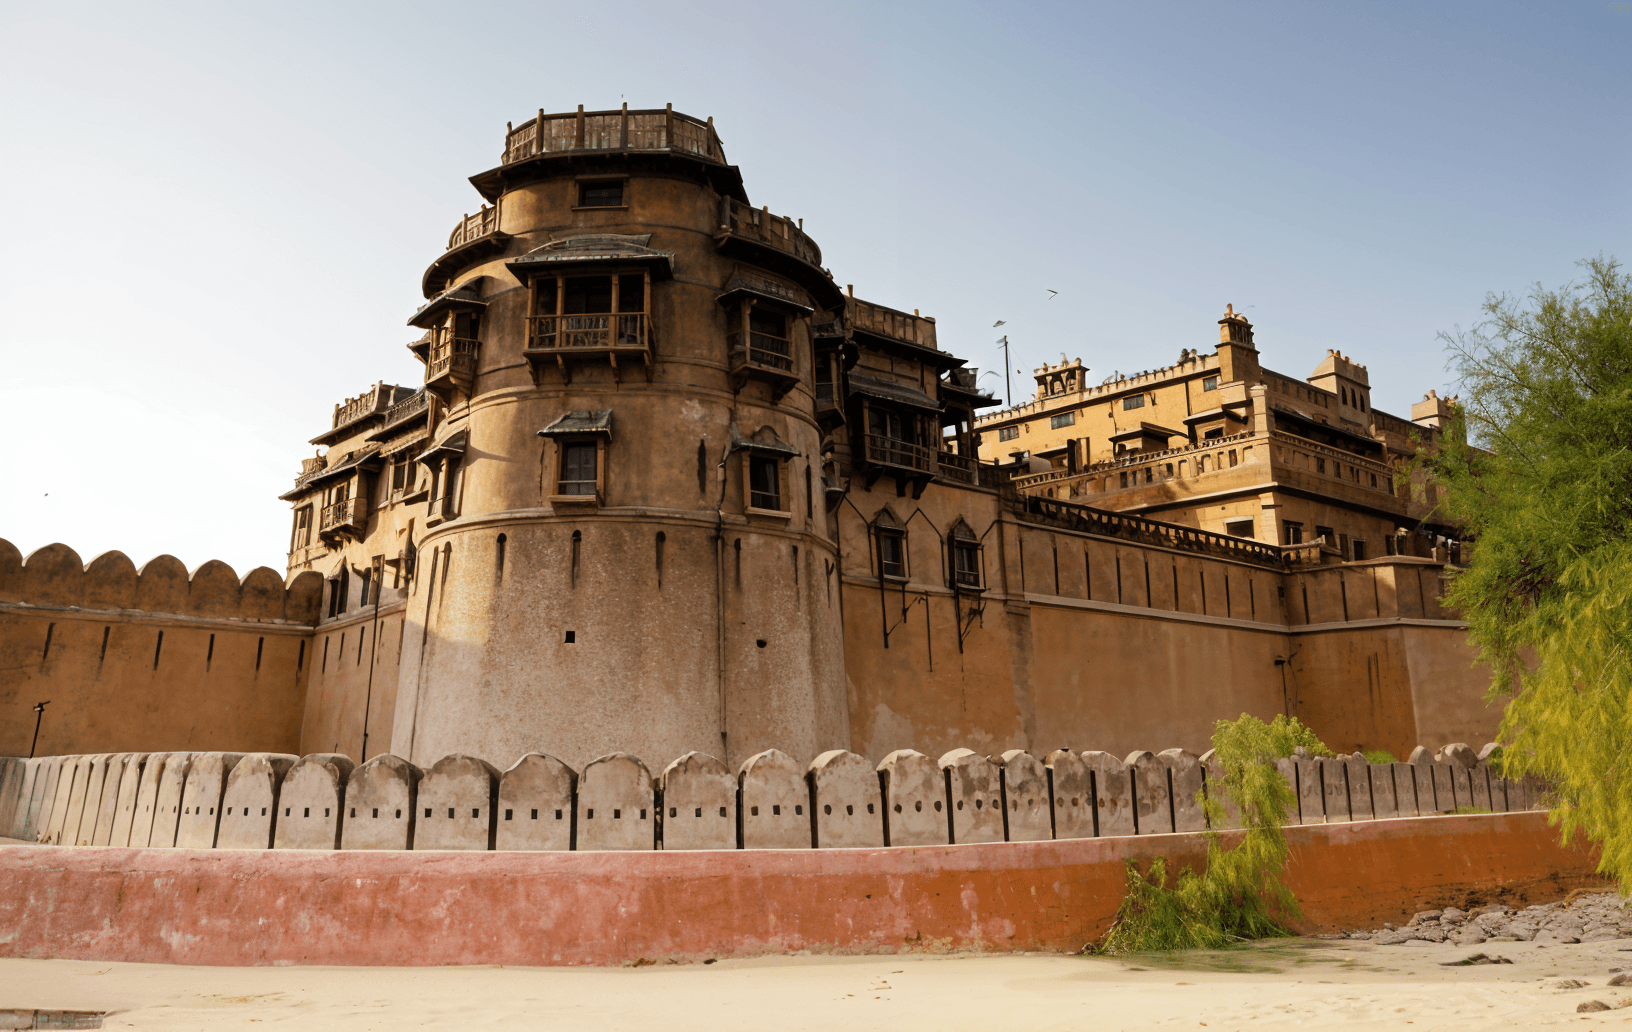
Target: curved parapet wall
137, 659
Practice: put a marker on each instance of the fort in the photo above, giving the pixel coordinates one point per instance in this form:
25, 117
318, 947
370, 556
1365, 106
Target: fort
669, 490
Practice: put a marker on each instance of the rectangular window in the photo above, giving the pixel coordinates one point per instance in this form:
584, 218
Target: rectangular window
965, 563
1326, 532
770, 323
1063, 419
577, 468
1209, 383
588, 295
1007, 433
1239, 528
892, 425
1359, 550
303, 527
604, 193
1294, 533
1136, 401
892, 560
764, 483
1213, 434
1320, 465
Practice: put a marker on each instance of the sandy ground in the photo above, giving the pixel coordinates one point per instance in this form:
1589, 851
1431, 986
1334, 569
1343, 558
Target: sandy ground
1290, 984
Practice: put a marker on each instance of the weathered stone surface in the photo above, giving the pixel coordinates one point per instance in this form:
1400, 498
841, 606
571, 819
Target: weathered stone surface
310, 801
147, 800
1358, 773
1288, 769
107, 811
1311, 791
22, 816
1113, 794
249, 805
915, 798
848, 800
1461, 754
1025, 797
615, 804
1444, 788
201, 799
1405, 789
130, 784
84, 770
167, 804
1383, 801
1185, 781
535, 804
12, 769
1072, 790
1152, 813
1479, 781
699, 803
974, 790
1334, 786
57, 812
382, 796
96, 781
775, 798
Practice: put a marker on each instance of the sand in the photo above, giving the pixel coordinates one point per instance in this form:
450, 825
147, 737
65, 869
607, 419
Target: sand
1290, 984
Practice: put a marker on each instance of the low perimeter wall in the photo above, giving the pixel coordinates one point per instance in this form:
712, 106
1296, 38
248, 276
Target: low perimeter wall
248, 907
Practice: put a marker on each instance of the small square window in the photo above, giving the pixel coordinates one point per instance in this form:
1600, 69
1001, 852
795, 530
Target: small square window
605, 193
1063, 419
1133, 402
1239, 528
1007, 433
892, 560
1209, 383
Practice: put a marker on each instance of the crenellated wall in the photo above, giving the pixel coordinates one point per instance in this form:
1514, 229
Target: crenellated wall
150, 658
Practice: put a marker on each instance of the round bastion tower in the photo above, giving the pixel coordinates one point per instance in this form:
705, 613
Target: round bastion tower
627, 546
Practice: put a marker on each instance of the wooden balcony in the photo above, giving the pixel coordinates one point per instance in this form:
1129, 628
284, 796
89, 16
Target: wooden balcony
764, 357
776, 243
614, 336
891, 324
347, 517
888, 451
452, 364
959, 468
472, 228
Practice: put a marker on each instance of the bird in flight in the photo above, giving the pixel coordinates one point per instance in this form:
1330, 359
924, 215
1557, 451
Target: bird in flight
1052, 294
1000, 322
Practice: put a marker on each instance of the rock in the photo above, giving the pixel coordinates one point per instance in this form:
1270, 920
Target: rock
1621, 979
1433, 933
1493, 922
1553, 939
1425, 915
1360, 935
1416, 942
1601, 934
1568, 983
1452, 915
1468, 936
1477, 958
1591, 1005
1391, 937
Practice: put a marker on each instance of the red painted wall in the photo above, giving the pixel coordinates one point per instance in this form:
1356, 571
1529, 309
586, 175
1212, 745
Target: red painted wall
232, 907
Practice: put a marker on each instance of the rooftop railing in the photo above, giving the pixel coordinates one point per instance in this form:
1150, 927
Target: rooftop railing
366, 403
1116, 524
402, 411
890, 451
655, 129
887, 322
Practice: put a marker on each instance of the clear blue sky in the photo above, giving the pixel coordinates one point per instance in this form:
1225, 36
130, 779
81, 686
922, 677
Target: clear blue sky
216, 215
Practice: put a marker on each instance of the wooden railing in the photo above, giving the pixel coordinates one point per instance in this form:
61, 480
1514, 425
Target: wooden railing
888, 451
591, 331
1135, 461
654, 129
957, 467
759, 225
474, 227
353, 512
447, 355
763, 350
887, 322
353, 409
417, 403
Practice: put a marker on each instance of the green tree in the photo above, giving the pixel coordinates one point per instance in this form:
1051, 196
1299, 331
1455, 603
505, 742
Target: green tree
1537, 466
1238, 894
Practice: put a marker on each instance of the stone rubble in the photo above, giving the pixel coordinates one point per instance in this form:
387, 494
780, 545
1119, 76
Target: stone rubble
1589, 918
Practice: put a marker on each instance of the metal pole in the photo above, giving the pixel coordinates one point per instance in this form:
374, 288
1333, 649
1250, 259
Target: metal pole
1008, 370
39, 714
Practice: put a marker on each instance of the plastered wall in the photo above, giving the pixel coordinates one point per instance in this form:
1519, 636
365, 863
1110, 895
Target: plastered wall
155, 658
